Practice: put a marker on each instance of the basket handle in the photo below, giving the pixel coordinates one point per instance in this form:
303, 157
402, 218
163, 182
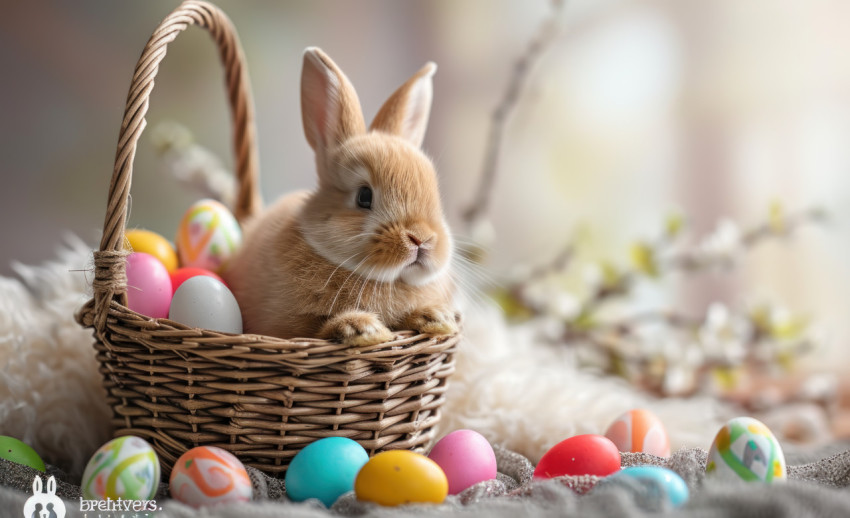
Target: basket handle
110, 282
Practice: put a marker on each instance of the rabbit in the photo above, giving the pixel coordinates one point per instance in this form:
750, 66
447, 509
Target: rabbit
369, 250
46, 504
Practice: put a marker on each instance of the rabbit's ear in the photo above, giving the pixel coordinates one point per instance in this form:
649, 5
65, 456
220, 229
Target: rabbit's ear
36, 485
330, 109
51, 486
406, 112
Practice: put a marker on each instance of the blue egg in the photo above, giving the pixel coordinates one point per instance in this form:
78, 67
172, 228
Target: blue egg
325, 470
656, 478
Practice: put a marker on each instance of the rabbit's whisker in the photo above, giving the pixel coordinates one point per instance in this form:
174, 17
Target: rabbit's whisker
337, 268
342, 286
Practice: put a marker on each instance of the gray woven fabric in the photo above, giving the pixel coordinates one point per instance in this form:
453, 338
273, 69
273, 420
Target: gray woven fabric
815, 488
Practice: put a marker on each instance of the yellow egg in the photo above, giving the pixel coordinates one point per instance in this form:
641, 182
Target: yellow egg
398, 477
154, 244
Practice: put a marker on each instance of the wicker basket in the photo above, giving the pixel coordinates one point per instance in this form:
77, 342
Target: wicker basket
259, 397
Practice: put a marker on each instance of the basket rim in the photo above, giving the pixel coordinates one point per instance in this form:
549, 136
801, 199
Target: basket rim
164, 335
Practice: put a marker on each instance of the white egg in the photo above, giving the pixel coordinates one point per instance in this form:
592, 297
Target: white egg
205, 302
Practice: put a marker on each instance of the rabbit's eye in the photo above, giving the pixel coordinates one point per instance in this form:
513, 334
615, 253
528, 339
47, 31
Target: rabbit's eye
364, 197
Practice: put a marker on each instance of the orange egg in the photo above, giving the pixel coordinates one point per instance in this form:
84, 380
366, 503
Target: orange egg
138, 240
638, 430
207, 475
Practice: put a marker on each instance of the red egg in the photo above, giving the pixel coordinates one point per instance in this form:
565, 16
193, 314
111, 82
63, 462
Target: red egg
580, 455
181, 274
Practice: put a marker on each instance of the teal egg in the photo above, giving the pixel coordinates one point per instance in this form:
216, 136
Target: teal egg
325, 470
14, 450
667, 483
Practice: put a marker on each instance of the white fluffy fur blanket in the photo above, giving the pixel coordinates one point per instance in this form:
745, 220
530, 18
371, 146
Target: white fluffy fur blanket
519, 394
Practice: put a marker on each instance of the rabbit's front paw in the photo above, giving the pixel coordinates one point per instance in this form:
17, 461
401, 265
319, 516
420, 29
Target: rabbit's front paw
356, 328
435, 320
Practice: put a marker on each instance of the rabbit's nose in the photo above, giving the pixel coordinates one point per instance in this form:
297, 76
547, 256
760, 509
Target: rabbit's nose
422, 241
413, 239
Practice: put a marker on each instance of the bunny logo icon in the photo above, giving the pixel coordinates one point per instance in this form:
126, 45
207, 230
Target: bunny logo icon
44, 505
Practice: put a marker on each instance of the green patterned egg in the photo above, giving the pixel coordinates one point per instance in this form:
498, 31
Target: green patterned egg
126, 467
745, 449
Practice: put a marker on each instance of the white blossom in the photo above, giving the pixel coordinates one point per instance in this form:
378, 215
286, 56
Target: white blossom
593, 275
553, 300
564, 305
724, 335
550, 329
722, 244
192, 164
678, 379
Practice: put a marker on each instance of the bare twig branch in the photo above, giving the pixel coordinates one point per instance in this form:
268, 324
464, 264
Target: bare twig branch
519, 76
558, 264
789, 225
629, 324
692, 260
618, 340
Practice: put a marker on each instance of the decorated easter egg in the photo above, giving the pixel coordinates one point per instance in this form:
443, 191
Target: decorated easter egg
204, 302
324, 469
657, 481
15, 450
207, 475
208, 236
588, 454
148, 285
398, 477
187, 272
466, 458
138, 240
744, 449
639, 430
126, 467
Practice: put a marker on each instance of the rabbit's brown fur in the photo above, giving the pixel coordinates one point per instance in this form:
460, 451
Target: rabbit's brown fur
318, 264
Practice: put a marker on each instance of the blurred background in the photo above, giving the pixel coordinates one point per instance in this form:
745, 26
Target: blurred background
637, 108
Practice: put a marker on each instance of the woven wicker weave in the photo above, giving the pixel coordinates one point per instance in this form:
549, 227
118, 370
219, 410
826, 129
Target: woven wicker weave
260, 397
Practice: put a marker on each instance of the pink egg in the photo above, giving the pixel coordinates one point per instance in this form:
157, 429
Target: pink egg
148, 285
638, 430
466, 458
